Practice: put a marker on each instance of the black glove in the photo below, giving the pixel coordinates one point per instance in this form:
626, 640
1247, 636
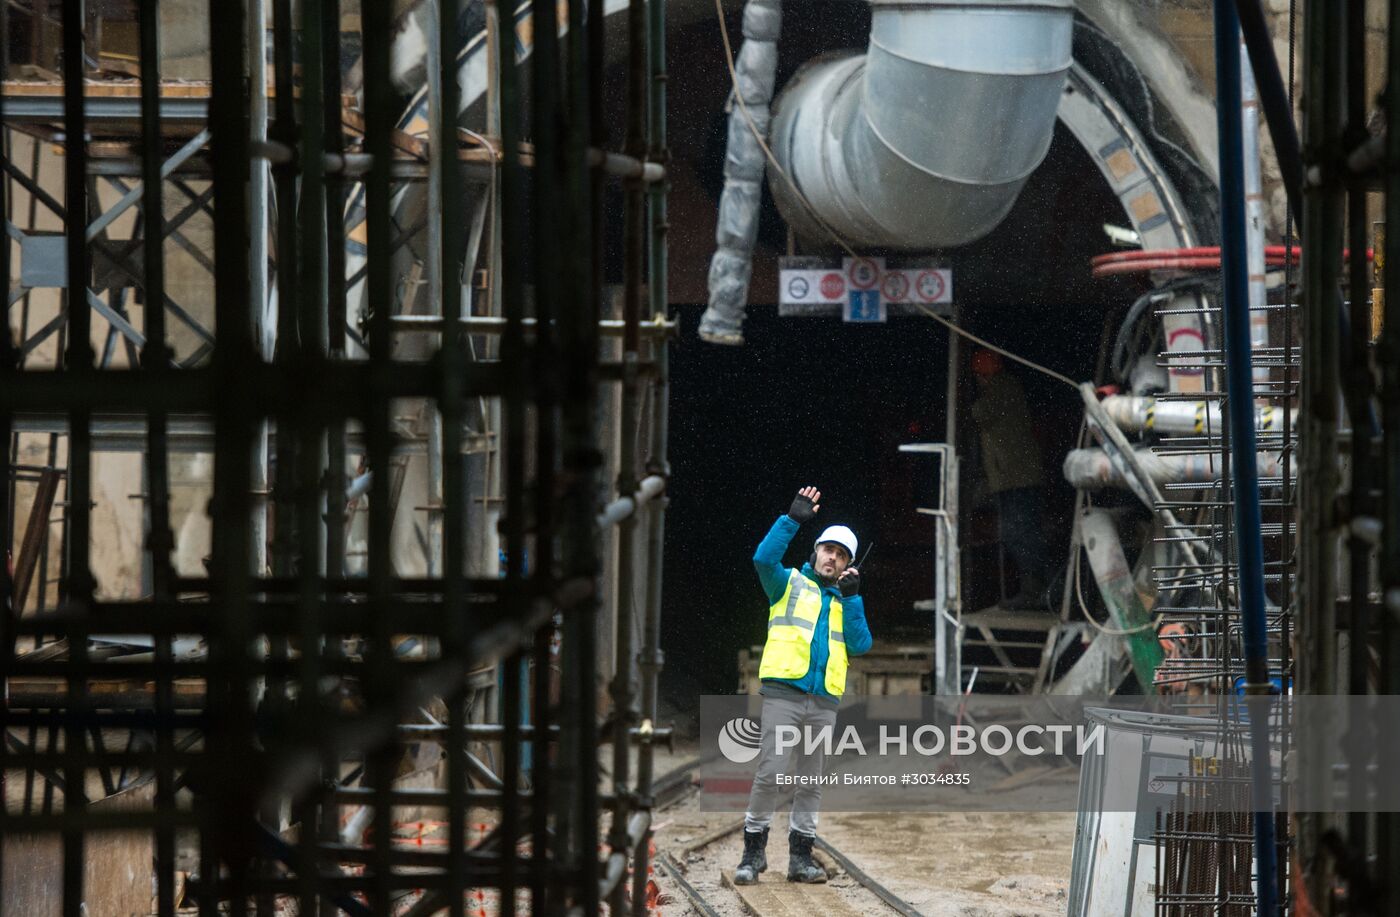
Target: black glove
849, 583
803, 509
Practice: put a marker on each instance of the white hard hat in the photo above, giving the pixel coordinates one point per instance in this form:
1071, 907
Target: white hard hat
842, 536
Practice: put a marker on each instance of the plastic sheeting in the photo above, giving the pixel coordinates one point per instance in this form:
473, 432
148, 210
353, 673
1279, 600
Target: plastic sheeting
737, 226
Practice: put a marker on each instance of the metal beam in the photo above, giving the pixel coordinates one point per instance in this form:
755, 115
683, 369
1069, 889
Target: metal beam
177, 159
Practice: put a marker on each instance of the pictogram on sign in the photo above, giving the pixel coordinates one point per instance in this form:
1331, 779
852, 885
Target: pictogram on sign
895, 286
864, 273
931, 286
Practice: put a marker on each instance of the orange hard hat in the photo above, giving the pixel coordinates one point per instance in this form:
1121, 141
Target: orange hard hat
986, 362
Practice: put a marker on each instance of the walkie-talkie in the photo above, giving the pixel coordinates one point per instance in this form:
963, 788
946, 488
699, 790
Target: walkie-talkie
864, 556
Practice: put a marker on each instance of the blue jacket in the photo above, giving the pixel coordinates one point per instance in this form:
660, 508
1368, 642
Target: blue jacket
768, 561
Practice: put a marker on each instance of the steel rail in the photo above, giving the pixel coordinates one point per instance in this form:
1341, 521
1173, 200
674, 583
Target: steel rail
868, 882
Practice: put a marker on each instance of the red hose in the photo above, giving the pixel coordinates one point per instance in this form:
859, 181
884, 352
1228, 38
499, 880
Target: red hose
1273, 253
1165, 264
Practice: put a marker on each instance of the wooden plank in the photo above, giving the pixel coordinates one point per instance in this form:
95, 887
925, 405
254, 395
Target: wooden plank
106, 89
129, 89
36, 534
1006, 619
116, 875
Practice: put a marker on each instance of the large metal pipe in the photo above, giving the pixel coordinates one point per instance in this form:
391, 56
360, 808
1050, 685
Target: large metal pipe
1249, 544
925, 140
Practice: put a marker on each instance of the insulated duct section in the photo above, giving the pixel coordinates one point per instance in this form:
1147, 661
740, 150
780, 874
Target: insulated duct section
1093, 469
921, 143
1135, 413
737, 226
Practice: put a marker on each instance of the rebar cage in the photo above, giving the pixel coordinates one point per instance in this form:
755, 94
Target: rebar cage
303, 724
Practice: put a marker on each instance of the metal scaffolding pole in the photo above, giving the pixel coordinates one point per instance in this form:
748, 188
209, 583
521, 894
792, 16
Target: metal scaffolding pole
335, 484
1388, 354
264, 332
1356, 385
633, 258
650, 660
1239, 381
452, 407
442, 124
155, 359
284, 138
230, 707
77, 367
1318, 475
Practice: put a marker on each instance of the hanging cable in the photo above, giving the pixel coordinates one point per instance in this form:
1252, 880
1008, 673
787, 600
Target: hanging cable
1123, 341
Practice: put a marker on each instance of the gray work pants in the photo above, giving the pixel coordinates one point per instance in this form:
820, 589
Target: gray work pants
805, 713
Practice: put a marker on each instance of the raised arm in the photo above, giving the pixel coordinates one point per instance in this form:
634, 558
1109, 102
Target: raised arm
768, 559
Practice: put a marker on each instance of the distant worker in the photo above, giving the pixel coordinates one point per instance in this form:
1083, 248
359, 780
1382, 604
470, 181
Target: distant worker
816, 619
1011, 465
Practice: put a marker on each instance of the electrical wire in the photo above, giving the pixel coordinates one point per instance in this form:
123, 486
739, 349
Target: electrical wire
957, 329
1126, 336
836, 237
1104, 628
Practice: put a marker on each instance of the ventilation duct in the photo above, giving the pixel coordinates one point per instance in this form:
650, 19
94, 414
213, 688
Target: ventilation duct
924, 141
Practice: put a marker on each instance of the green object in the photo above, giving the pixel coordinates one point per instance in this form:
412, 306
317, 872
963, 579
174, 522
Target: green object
1125, 608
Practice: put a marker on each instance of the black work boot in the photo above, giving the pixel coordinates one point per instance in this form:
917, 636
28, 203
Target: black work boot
801, 866
755, 858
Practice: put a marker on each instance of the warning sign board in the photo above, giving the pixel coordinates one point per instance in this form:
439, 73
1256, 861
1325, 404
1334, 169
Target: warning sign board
804, 286
822, 286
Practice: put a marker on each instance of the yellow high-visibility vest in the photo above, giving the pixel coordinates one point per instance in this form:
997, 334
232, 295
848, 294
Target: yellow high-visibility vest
792, 620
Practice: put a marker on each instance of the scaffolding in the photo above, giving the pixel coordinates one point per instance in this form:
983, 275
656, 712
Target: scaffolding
1219, 481
1331, 524
304, 721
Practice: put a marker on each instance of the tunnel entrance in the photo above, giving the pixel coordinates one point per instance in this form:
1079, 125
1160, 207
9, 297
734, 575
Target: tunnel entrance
828, 404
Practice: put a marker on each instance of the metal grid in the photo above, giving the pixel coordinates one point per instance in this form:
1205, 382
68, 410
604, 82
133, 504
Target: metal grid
1205, 846
273, 752
1204, 856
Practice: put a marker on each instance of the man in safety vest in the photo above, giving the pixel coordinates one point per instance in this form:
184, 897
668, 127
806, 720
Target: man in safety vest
816, 620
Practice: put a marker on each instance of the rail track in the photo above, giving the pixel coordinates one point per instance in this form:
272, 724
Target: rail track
775, 897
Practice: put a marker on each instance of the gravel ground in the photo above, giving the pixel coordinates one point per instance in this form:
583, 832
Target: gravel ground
959, 864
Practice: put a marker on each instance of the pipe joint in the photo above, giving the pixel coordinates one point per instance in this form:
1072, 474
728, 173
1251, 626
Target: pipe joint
866, 139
